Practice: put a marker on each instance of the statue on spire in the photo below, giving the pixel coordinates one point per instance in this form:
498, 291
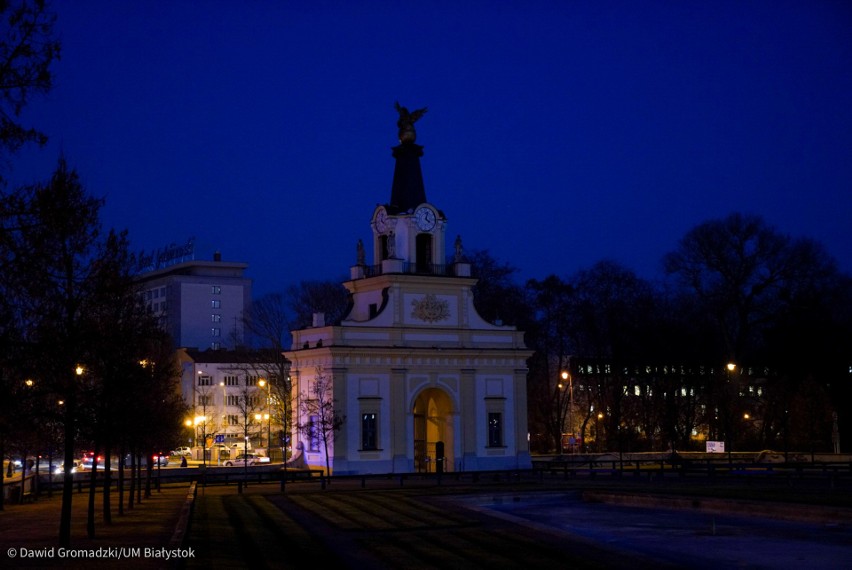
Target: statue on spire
406, 121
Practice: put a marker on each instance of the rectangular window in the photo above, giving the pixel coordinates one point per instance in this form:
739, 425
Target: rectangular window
233, 420
204, 401
215, 331
313, 434
205, 381
215, 345
369, 432
216, 318
495, 429
216, 290
232, 381
232, 401
215, 304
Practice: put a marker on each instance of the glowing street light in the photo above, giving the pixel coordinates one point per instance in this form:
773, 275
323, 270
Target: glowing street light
572, 440
268, 415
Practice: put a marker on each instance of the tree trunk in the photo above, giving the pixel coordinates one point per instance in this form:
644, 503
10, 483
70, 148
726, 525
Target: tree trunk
131, 496
93, 487
121, 458
107, 486
68, 477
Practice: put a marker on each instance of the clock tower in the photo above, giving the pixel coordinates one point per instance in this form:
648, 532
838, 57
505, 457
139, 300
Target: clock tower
424, 382
408, 232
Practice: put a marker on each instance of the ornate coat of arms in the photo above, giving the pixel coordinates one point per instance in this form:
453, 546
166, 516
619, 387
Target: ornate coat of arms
430, 309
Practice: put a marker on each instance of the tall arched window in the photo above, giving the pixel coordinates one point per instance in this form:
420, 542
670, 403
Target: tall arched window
424, 253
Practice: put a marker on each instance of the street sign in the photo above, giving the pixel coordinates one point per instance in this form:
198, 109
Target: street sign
220, 438
715, 447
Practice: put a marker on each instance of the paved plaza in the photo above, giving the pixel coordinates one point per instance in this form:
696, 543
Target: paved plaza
419, 525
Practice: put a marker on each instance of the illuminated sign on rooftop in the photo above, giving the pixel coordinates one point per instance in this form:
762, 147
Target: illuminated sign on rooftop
166, 256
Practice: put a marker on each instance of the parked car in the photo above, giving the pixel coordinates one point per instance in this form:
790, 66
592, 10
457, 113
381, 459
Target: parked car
183, 451
242, 459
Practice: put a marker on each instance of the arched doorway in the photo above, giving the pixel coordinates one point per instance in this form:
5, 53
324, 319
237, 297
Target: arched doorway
433, 423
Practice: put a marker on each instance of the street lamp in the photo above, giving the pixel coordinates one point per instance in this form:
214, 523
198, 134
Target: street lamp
598, 430
572, 439
731, 367
268, 416
188, 424
203, 421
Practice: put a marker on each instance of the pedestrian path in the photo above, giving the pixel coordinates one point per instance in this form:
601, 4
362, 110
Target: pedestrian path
29, 533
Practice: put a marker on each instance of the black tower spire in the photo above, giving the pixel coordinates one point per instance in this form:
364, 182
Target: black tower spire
408, 191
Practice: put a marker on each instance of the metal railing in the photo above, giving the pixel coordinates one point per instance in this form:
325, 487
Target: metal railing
441, 270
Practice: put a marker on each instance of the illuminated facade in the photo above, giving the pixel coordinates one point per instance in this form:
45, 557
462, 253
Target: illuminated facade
420, 380
229, 399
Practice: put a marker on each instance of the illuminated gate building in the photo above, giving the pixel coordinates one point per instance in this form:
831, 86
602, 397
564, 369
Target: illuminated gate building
420, 380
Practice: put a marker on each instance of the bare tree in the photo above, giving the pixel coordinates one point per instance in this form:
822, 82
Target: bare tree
320, 419
27, 50
248, 402
309, 297
267, 320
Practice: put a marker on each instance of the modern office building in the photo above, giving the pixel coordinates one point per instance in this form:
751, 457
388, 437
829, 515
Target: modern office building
200, 303
420, 381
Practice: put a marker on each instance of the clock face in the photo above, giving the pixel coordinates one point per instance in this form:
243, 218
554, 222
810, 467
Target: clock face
382, 221
425, 218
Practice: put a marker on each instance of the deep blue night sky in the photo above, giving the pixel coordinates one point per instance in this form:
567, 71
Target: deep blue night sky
558, 133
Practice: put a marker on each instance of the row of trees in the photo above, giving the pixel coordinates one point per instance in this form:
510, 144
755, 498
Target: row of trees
649, 361
83, 363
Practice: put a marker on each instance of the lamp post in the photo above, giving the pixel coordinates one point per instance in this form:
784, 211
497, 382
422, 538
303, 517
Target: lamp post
268, 416
572, 438
731, 367
188, 424
598, 430
203, 421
